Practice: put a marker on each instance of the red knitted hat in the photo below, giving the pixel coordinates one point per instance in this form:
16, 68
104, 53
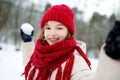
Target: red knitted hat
60, 13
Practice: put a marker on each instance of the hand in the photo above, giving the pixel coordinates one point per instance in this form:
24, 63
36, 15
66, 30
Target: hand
112, 47
26, 32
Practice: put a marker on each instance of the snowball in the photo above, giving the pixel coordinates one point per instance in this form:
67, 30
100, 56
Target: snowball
27, 28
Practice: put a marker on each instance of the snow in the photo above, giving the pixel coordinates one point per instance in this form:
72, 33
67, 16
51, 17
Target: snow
27, 28
94, 63
11, 66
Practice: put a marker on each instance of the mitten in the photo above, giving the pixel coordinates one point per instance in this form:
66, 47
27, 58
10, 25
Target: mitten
112, 48
26, 32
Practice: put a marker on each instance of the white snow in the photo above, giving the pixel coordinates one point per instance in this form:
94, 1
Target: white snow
94, 63
27, 28
11, 66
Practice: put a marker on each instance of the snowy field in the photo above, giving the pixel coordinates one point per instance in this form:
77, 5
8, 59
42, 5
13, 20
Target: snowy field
11, 66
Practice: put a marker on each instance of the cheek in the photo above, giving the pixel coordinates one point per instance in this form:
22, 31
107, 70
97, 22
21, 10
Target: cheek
63, 34
45, 36
45, 33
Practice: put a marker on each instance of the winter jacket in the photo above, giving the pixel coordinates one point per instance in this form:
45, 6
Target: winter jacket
27, 49
108, 69
80, 70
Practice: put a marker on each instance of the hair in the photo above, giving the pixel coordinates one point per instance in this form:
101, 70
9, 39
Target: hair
41, 35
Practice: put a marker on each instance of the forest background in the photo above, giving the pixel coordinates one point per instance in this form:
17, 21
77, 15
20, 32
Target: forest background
92, 23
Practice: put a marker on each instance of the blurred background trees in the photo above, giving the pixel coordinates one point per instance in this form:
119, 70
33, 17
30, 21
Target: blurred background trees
13, 13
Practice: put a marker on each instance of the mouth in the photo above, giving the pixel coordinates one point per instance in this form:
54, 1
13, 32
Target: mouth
53, 40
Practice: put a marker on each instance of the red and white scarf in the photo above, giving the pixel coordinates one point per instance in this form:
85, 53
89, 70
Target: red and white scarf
46, 58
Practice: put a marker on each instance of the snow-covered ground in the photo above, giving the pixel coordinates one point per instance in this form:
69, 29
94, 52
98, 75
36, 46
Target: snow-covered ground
11, 66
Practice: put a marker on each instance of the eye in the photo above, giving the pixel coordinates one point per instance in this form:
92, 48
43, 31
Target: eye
47, 28
59, 28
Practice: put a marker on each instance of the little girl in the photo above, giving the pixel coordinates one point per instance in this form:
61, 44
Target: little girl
57, 55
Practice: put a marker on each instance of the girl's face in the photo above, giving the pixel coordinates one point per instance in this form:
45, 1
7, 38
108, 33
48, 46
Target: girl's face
54, 32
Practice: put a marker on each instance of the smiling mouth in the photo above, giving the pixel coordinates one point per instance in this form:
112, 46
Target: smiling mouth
53, 40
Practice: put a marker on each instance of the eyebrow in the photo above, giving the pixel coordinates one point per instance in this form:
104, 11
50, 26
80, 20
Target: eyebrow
59, 24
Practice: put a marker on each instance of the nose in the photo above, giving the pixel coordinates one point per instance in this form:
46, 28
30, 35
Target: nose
53, 32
